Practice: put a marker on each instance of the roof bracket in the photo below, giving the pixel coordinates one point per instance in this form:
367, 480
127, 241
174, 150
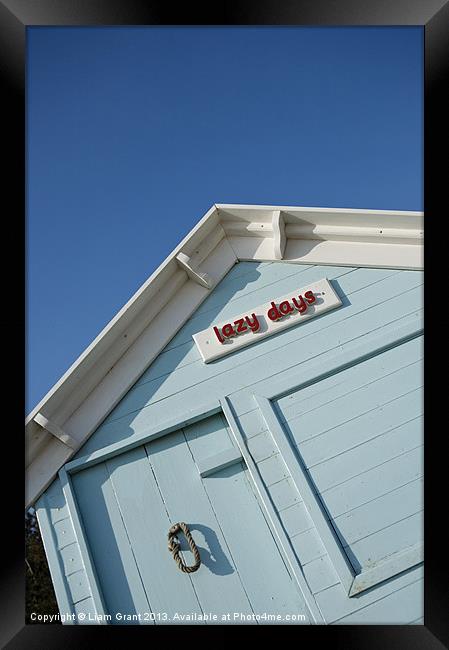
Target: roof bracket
203, 279
56, 431
279, 237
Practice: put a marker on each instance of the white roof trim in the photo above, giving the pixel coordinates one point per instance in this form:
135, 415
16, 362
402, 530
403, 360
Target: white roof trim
106, 370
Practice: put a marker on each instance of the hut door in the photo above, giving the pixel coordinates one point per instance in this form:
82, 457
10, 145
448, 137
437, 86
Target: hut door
195, 475
352, 443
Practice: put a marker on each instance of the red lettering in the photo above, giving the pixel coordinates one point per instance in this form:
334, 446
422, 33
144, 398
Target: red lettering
228, 330
273, 313
310, 297
218, 335
254, 324
285, 307
241, 327
302, 306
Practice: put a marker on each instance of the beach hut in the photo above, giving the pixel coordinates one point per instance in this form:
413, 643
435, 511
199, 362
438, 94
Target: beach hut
243, 442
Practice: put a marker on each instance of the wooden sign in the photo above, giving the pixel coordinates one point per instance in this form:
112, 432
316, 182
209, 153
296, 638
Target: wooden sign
259, 322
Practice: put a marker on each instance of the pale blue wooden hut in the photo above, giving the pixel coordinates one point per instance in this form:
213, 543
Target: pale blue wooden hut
264, 387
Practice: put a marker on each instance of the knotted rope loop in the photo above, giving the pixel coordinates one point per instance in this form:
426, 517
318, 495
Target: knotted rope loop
174, 547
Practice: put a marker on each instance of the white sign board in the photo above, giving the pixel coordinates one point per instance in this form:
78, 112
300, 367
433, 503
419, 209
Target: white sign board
259, 322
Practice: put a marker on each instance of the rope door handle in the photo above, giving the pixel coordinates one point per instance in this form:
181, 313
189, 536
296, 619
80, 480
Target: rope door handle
174, 547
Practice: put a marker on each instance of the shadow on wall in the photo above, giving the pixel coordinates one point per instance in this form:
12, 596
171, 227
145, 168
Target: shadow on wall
213, 557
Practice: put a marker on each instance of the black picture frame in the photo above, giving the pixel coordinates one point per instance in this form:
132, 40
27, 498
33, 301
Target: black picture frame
15, 17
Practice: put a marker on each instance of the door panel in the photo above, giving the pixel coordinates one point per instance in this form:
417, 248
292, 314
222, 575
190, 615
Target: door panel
107, 538
128, 503
358, 436
219, 588
250, 543
142, 510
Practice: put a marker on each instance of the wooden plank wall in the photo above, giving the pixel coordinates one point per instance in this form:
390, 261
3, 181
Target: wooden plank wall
375, 301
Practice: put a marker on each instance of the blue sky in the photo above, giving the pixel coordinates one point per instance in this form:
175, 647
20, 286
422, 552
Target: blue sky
133, 133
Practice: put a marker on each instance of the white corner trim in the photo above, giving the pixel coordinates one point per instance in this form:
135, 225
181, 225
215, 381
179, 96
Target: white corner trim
279, 236
203, 279
387, 568
56, 431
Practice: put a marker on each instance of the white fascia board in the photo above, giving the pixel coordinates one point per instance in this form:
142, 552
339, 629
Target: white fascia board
352, 253
228, 212
234, 217
349, 237
226, 234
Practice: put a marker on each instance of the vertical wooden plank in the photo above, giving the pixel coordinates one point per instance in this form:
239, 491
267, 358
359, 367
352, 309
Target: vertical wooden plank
267, 583
217, 583
111, 552
147, 523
